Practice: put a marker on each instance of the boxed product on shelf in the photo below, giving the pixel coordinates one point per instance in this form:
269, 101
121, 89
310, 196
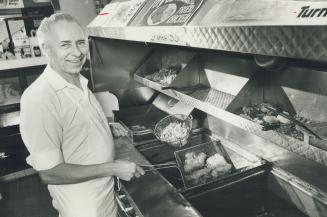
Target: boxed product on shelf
22, 46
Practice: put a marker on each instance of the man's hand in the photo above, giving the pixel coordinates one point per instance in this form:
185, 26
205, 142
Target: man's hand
118, 130
126, 170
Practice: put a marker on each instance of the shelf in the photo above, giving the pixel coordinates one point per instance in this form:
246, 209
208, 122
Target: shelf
23, 63
9, 119
207, 99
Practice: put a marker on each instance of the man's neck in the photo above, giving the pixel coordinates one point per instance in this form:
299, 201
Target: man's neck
70, 78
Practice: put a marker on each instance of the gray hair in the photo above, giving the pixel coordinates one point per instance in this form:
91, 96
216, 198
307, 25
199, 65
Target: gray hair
47, 22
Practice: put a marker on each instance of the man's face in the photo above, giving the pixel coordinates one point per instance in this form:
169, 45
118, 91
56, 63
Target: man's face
67, 47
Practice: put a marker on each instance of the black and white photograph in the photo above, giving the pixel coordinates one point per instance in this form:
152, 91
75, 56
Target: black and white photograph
163, 108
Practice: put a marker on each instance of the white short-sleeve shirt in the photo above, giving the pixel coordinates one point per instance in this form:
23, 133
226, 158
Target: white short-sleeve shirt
61, 123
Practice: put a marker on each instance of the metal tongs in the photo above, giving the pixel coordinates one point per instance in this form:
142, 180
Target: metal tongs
152, 167
186, 88
294, 121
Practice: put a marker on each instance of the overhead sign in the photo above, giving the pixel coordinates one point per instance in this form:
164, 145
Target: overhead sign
118, 14
266, 13
171, 12
124, 13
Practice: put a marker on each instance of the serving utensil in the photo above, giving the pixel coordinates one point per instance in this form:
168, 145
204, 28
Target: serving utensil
294, 121
152, 167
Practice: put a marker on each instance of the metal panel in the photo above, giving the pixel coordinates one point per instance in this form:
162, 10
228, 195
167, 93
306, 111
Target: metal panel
281, 157
305, 197
161, 198
112, 65
305, 42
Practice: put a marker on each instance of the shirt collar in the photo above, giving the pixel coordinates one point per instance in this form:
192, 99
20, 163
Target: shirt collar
58, 82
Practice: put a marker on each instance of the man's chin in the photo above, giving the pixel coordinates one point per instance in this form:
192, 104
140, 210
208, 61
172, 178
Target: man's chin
75, 70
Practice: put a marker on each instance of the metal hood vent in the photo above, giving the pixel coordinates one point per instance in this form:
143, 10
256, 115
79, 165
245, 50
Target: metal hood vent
295, 29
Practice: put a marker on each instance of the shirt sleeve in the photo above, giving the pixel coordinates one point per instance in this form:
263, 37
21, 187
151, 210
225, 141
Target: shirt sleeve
42, 134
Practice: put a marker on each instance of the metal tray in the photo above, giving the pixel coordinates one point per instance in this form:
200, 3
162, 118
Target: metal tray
209, 148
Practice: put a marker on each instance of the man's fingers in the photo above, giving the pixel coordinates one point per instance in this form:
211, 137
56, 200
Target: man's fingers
118, 130
140, 170
137, 175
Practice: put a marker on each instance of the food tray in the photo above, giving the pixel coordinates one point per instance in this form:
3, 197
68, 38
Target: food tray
209, 148
170, 59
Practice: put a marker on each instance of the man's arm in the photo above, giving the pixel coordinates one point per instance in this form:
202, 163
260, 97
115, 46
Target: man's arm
72, 173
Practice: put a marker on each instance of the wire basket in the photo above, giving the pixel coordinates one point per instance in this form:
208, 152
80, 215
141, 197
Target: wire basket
209, 149
174, 129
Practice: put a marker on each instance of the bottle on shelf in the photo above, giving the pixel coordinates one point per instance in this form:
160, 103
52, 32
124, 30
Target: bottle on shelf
1, 51
7, 54
36, 51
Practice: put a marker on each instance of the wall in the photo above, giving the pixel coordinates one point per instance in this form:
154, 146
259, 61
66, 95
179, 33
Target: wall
82, 10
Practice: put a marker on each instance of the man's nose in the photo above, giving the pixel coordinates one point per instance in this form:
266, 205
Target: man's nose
77, 51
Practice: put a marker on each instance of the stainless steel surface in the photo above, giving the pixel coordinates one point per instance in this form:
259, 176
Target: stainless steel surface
311, 175
263, 40
227, 73
171, 105
305, 86
305, 197
112, 64
208, 96
160, 198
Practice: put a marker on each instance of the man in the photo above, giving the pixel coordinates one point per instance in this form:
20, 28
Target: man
65, 129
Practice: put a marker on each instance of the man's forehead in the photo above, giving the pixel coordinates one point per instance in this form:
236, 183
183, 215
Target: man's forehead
65, 30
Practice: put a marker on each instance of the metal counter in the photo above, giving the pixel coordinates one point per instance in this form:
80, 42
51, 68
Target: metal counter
151, 193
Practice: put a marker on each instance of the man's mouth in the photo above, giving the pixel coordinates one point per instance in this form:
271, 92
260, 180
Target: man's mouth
75, 61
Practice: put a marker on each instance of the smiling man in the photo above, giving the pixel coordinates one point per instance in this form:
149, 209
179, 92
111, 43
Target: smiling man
65, 129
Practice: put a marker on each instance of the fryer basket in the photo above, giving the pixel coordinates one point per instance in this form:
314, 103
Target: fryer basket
209, 148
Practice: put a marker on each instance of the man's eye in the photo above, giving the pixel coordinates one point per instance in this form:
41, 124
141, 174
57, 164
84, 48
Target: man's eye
81, 43
65, 45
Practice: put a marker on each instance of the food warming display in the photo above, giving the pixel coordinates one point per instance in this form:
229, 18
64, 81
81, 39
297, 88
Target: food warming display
216, 51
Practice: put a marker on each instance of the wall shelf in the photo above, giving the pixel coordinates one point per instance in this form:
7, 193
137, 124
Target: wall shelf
23, 63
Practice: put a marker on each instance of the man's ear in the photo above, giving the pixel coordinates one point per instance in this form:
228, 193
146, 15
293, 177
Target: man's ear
45, 48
